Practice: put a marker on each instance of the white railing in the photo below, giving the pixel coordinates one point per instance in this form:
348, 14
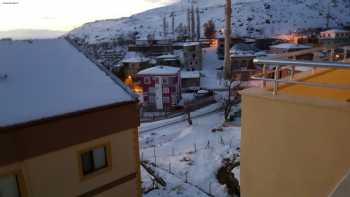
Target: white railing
291, 64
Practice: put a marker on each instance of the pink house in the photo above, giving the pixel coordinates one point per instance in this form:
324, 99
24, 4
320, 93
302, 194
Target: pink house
161, 87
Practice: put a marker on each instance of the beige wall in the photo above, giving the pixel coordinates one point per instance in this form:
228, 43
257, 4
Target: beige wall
292, 146
57, 174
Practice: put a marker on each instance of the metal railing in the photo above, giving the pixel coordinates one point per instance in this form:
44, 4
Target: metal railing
291, 64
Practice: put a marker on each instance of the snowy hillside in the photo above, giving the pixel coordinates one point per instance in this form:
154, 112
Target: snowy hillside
250, 18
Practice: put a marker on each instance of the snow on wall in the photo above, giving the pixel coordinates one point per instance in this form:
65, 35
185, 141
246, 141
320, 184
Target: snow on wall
250, 18
50, 77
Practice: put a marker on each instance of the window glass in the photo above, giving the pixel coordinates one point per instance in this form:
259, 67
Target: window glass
9, 186
99, 155
87, 162
94, 160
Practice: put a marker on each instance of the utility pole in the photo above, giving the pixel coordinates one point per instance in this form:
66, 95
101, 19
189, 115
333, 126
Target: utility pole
188, 22
198, 24
164, 27
173, 23
193, 21
228, 30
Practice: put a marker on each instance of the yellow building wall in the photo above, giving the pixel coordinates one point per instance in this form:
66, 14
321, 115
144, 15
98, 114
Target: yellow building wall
58, 174
292, 149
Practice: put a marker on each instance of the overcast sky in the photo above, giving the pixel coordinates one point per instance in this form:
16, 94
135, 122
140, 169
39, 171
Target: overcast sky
66, 14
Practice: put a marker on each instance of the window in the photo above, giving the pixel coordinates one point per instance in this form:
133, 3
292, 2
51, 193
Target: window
95, 159
166, 90
10, 186
147, 80
166, 100
165, 81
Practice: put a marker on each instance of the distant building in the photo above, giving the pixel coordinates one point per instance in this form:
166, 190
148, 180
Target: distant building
335, 36
220, 50
161, 87
66, 128
190, 80
288, 47
168, 60
152, 47
131, 64
242, 56
190, 54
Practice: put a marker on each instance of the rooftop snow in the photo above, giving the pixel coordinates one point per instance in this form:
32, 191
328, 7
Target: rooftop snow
336, 31
168, 56
290, 46
190, 74
160, 70
48, 78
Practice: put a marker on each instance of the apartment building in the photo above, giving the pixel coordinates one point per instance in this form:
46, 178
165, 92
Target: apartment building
66, 128
295, 133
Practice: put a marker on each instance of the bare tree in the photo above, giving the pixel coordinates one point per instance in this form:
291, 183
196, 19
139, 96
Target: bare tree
228, 30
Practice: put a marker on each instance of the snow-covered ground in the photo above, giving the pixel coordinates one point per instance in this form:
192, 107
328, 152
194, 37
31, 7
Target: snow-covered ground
180, 150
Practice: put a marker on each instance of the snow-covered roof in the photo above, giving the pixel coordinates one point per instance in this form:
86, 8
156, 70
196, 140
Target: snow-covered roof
134, 57
48, 78
159, 70
243, 50
186, 44
168, 56
290, 46
336, 31
190, 74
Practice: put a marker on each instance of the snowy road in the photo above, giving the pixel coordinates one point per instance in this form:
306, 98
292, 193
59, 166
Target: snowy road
209, 79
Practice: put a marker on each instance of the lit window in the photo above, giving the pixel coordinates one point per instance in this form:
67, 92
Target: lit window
94, 160
9, 186
147, 80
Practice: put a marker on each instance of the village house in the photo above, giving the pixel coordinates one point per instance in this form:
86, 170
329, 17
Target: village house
168, 60
152, 48
295, 134
288, 47
190, 54
190, 80
242, 56
66, 128
161, 87
220, 47
334, 37
131, 64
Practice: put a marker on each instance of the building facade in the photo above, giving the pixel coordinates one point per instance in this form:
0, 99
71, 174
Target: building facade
71, 136
295, 142
161, 87
334, 37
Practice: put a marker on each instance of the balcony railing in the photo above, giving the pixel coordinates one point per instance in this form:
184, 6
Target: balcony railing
291, 64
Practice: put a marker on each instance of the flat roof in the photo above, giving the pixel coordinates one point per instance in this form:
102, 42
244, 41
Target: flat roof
160, 70
333, 76
48, 78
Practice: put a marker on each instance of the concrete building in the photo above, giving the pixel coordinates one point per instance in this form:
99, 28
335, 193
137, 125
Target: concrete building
334, 37
161, 87
66, 128
295, 143
190, 80
190, 54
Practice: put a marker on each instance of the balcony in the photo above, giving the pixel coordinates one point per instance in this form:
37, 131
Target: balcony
296, 131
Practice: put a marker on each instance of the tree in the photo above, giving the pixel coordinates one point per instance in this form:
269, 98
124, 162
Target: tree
209, 29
